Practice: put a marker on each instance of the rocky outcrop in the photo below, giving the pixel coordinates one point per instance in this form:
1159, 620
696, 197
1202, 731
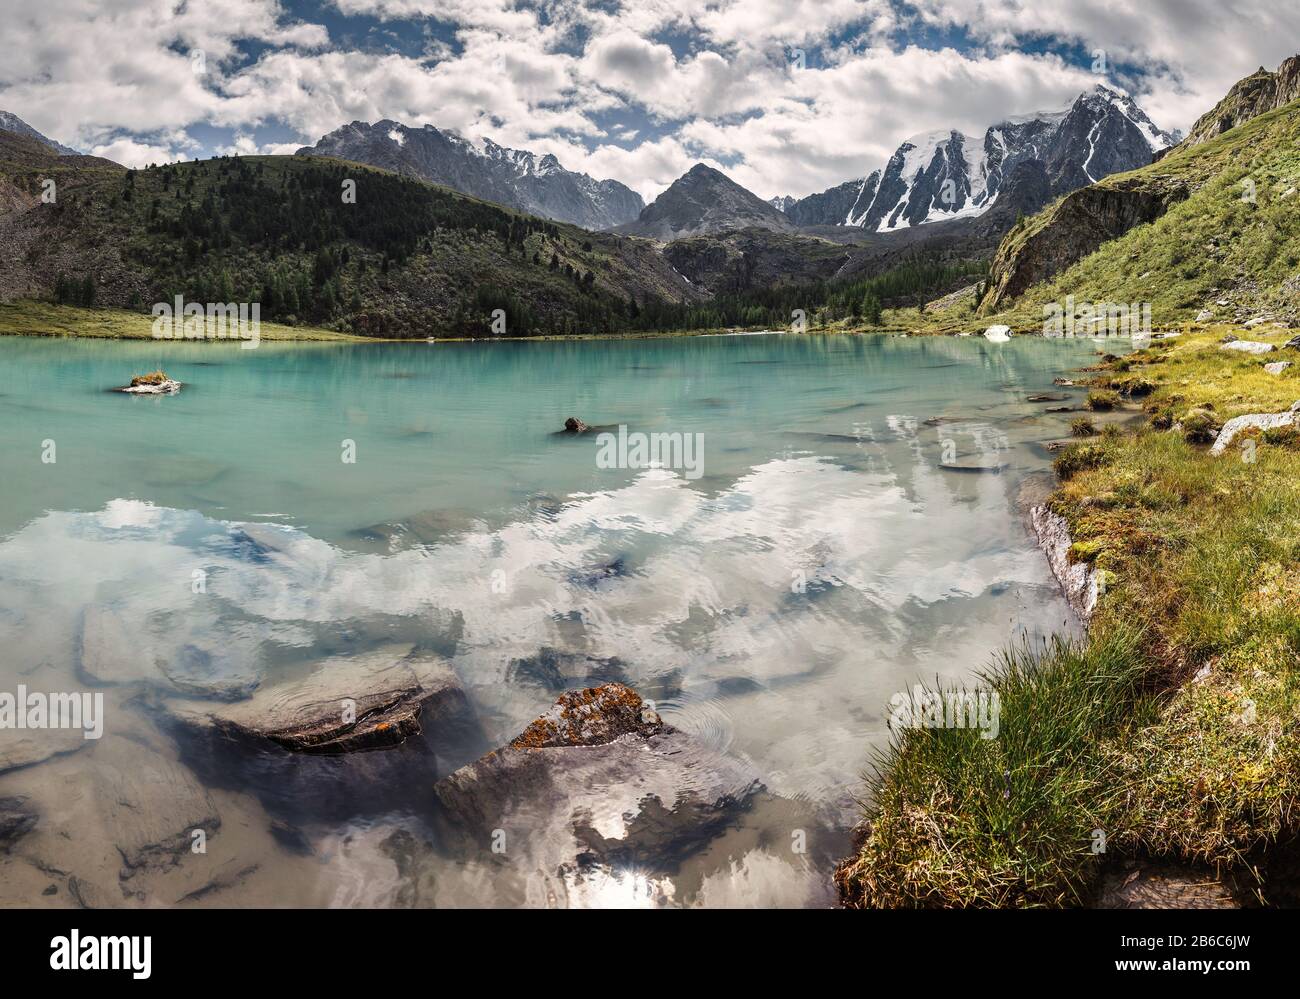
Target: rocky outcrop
1079, 581
1077, 226
598, 779
1257, 421
1257, 94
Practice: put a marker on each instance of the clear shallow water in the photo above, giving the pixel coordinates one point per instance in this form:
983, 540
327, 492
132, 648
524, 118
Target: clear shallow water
467, 524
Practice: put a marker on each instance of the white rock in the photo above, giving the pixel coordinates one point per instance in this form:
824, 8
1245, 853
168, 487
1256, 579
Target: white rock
1250, 324
1204, 316
1079, 581
169, 387
1277, 367
1249, 346
998, 334
1263, 421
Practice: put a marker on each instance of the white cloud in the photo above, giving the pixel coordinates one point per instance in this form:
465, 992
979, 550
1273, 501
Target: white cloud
689, 81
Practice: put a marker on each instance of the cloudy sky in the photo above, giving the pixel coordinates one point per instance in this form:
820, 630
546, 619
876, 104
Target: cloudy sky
787, 96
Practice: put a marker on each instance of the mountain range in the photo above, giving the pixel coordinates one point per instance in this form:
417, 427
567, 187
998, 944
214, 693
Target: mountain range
706, 253
516, 178
944, 175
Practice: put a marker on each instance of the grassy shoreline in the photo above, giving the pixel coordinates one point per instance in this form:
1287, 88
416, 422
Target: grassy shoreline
30, 317
1175, 729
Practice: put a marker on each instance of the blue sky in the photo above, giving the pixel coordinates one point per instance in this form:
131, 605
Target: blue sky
634, 91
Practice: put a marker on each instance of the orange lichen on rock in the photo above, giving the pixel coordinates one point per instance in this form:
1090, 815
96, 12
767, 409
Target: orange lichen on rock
153, 378
591, 717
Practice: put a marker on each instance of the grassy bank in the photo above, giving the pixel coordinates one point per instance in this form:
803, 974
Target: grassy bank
1175, 730
28, 317
32, 318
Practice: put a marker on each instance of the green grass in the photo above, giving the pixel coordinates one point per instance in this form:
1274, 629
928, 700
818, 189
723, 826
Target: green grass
1181, 740
32, 318
960, 820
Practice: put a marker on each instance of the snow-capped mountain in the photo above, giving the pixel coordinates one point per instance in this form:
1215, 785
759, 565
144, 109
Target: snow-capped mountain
782, 201
514, 177
12, 123
945, 175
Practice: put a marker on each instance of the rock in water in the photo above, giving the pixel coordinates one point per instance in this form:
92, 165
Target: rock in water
372, 701
16, 820
154, 383
591, 717
998, 334
598, 779
575, 426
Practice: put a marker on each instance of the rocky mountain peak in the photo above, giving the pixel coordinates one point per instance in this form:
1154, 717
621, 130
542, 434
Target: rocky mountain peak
12, 123
1261, 92
517, 178
705, 201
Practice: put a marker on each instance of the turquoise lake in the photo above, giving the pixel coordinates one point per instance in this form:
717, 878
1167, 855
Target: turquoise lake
819, 559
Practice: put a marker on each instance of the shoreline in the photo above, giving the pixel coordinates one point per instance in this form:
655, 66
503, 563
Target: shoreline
1123, 785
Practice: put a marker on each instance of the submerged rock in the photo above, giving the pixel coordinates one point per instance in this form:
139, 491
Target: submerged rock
556, 670
574, 425
1167, 886
1079, 581
16, 820
115, 652
974, 467
372, 701
1260, 421
598, 779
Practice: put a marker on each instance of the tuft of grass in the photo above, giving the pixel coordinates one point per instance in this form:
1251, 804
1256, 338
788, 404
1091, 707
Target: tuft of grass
1101, 400
1078, 457
1199, 426
1081, 426
959, 820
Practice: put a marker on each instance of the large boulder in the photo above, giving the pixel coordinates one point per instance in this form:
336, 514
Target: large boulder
1258, 421
1249, 346
597, 781
348, 703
